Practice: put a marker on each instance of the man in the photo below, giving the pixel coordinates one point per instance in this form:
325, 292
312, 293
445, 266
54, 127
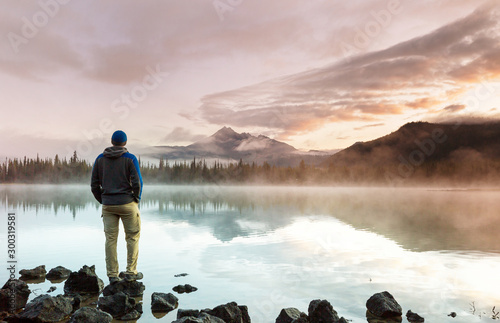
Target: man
117, 184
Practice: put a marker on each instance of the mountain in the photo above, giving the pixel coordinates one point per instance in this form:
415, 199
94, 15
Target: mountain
422, 151
227, 145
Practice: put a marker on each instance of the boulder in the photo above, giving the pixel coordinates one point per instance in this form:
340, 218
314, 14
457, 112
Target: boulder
321, 311
119, 305
161, 302
287, 315
84, 281
132, 288
90, 315
58, 273
414, 317
201, 318
231, 313
383, 305
35, 273
14, 295
46, 308
184, 289
182, 313
301, 319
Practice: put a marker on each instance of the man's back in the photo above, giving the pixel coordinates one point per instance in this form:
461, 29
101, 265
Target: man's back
116, 178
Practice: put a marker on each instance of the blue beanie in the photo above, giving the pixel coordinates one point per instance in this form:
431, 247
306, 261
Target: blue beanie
119, 137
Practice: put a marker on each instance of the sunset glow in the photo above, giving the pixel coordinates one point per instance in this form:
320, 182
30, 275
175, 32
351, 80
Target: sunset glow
316, 75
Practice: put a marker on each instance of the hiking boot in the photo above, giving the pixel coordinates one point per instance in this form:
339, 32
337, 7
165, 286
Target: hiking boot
130, 277
114, 280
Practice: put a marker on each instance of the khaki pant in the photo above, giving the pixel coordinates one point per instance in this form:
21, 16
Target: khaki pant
131, 219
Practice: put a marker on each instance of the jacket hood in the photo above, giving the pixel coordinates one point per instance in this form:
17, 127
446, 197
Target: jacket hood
114, 151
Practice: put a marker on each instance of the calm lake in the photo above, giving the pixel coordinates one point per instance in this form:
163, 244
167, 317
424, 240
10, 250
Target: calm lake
435, 251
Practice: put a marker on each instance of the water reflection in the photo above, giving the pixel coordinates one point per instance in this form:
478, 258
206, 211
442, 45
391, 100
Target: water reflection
276, 247
416, 219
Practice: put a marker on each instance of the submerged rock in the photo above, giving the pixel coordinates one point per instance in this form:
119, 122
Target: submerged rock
384, 305
58, 273
321, 311
184, 289
131, 288
161, 302
287, 315
84, 281
90, 315
120, 306
35, 273
14, 295
46, 308
414, 317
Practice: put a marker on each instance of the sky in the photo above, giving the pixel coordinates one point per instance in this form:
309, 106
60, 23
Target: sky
320, 74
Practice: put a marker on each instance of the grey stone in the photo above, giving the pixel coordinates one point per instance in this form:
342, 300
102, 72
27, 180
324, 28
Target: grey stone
132, 288
161, 302
321, 311
35, 273
58, 273
90, 315
14, 295
46, 308
118, 305
383, 305
84, 281
287, 315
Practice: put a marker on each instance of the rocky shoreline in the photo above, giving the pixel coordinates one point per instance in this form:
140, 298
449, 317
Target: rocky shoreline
117, 301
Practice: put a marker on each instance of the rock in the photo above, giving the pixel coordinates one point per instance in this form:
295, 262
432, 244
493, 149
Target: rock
453, 314
181, 275
21, 292
131, 316
90, 315
58, 273
184, 289
46, 308
201, 318
51, 289
119, 305
383, 305
35, 273
182, 313
342, 320
132, 288
287, 315
414, 317
231, 313
321, 311
85, 281
161, 302
301, 319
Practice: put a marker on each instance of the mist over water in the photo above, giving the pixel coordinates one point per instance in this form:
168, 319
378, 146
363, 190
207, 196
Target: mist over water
268, 248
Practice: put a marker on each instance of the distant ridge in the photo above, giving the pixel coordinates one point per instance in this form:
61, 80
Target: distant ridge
423, 150
228, 145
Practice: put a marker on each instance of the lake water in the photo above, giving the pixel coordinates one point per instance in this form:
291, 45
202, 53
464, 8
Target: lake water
435, 251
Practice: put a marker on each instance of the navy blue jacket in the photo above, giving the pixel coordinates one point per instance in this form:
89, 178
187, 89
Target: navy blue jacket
116, 178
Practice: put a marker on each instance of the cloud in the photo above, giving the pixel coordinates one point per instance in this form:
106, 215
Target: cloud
454, 108
369, 126
419, 74
182, 135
